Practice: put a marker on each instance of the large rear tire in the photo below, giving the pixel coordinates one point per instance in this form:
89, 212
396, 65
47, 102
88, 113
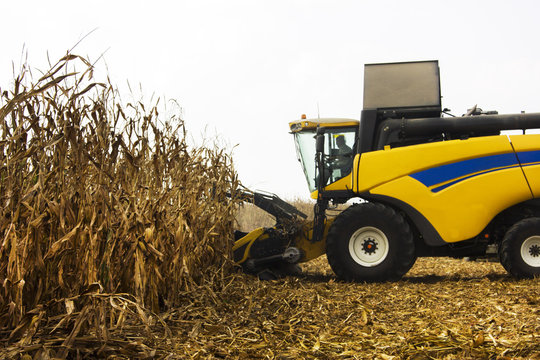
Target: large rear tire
370, 242
519, 252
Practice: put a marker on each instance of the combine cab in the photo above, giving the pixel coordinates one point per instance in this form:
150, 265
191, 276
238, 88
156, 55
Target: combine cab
427, 185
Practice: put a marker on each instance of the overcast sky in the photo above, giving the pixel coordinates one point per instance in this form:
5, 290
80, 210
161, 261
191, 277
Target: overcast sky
244, 69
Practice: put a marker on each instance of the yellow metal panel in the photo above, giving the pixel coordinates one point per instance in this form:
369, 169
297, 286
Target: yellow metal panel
344, 183
527, 147
354, 173
525, 142
312, 250
379, 167
533, 177
461, 211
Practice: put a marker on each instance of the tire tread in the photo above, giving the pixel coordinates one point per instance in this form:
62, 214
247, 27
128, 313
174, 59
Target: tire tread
507, 247
350, 216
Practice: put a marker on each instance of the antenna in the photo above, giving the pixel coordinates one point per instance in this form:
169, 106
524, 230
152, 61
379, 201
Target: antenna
318, 113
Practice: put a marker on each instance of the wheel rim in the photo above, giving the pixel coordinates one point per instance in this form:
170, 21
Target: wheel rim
530, 251
368, 246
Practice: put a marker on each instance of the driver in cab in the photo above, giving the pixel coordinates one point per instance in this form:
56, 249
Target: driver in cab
343, 156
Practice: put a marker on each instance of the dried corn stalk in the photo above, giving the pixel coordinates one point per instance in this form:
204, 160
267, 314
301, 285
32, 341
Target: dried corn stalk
96, 193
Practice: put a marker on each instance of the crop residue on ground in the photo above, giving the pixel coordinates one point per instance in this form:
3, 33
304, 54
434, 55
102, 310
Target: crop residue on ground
443, 308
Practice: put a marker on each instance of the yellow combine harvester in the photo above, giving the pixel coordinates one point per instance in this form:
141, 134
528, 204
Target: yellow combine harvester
428, 184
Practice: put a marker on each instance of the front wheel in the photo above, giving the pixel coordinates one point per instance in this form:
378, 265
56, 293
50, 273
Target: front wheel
370, 242
520, 249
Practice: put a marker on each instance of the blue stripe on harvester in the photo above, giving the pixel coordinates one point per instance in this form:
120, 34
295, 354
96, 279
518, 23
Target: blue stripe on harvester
448, 184
448, 172
526, 157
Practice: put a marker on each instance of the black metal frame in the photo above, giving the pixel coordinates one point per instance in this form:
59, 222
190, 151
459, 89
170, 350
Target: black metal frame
272, 204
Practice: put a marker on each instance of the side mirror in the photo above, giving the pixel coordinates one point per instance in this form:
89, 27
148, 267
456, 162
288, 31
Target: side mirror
319, 143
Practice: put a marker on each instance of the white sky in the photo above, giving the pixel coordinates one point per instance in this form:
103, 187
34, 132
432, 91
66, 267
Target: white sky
244, 69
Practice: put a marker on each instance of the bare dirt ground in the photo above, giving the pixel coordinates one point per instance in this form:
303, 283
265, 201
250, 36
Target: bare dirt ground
442, 309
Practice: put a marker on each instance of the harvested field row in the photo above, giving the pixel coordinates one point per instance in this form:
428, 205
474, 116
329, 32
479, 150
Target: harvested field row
443, 309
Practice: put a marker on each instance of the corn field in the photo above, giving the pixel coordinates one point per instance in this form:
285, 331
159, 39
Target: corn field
106, 213
116, 238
